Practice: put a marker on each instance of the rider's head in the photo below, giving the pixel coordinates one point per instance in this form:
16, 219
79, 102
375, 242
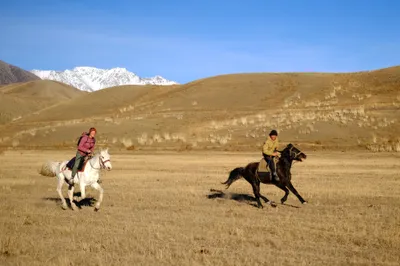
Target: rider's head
92, 132
273, 134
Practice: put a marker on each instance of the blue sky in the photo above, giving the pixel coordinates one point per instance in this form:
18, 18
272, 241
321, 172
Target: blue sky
184, 40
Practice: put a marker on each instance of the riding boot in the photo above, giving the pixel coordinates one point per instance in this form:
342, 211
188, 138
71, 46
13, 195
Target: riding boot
273, 170
275, 176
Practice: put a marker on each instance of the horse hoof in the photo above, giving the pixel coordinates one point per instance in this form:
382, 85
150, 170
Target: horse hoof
305, 202
64, 207
273, 204
96, 209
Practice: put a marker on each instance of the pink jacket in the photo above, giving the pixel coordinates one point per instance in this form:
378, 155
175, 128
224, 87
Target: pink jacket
86, 145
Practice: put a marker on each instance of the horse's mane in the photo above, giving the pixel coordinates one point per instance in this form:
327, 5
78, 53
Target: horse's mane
98, 152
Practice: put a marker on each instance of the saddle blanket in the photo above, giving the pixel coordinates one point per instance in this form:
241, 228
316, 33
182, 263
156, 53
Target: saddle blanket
81, 166
263, 166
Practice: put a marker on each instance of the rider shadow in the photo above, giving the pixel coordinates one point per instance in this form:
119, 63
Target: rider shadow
87, 202
218, 194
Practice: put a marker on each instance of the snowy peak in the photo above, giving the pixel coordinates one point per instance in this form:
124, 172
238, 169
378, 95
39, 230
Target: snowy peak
92, 79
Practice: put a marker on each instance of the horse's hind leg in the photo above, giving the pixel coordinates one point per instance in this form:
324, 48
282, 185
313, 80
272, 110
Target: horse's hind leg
71, 197
291, 187
59, 191
101, 191
256, 190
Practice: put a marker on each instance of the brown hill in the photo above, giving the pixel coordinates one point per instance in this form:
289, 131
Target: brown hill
232, 112
20, 99
12, 74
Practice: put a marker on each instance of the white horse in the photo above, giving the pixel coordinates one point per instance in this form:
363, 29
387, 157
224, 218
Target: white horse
89, 177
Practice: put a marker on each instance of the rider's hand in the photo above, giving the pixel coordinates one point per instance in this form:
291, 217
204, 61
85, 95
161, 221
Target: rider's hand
275, 154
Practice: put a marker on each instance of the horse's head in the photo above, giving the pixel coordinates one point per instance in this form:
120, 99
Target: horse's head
105, 160
293, 153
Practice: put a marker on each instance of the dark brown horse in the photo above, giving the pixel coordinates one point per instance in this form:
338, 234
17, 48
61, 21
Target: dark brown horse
288, 155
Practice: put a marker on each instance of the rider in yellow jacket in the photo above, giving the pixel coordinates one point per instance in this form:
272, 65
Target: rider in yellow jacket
269, 151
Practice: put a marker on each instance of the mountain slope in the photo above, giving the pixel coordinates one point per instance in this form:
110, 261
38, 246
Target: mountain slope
12, 74
93, 79
20, 99
235, 112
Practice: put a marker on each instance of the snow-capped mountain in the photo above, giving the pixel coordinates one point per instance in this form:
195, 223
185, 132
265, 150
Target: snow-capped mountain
93, 79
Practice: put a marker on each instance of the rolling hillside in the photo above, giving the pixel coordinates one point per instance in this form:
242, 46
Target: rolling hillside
229, 112
20, 99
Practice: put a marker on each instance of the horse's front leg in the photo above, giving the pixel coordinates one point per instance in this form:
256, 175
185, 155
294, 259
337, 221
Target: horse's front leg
101, 191
270, 202
83, 191
82, 188
283, 187
294, 191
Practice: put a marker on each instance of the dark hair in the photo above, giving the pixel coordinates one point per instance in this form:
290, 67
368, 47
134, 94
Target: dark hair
273, 133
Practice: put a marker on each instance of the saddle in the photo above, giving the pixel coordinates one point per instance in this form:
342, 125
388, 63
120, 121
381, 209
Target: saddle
81, 166
263, 166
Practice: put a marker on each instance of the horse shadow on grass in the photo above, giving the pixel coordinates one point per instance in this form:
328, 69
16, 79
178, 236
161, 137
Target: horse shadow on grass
87, 202
242, 198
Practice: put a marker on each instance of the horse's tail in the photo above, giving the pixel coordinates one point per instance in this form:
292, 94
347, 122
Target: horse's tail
49, 168
234, 175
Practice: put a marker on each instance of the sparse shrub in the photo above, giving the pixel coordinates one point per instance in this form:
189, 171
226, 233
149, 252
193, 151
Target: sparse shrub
157, 138
15, 143
178, 136
167, 136
126, 142
142, 139
397, 147
131, 148
374, 138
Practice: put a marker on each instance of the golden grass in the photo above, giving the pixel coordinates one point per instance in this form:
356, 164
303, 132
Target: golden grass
158, 210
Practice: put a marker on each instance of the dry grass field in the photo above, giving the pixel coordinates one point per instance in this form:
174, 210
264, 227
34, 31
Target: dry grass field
158, 210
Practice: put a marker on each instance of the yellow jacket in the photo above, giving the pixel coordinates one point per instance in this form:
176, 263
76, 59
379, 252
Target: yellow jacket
270, 146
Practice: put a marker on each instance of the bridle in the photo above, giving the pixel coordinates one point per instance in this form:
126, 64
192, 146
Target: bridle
295, 154
101, 162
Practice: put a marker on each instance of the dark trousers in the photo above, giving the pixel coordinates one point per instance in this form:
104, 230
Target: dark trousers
270, 162
78, 159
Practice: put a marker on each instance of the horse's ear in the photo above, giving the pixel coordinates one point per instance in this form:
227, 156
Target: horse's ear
290, 145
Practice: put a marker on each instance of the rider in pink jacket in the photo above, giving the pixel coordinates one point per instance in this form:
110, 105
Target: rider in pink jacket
85, 148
